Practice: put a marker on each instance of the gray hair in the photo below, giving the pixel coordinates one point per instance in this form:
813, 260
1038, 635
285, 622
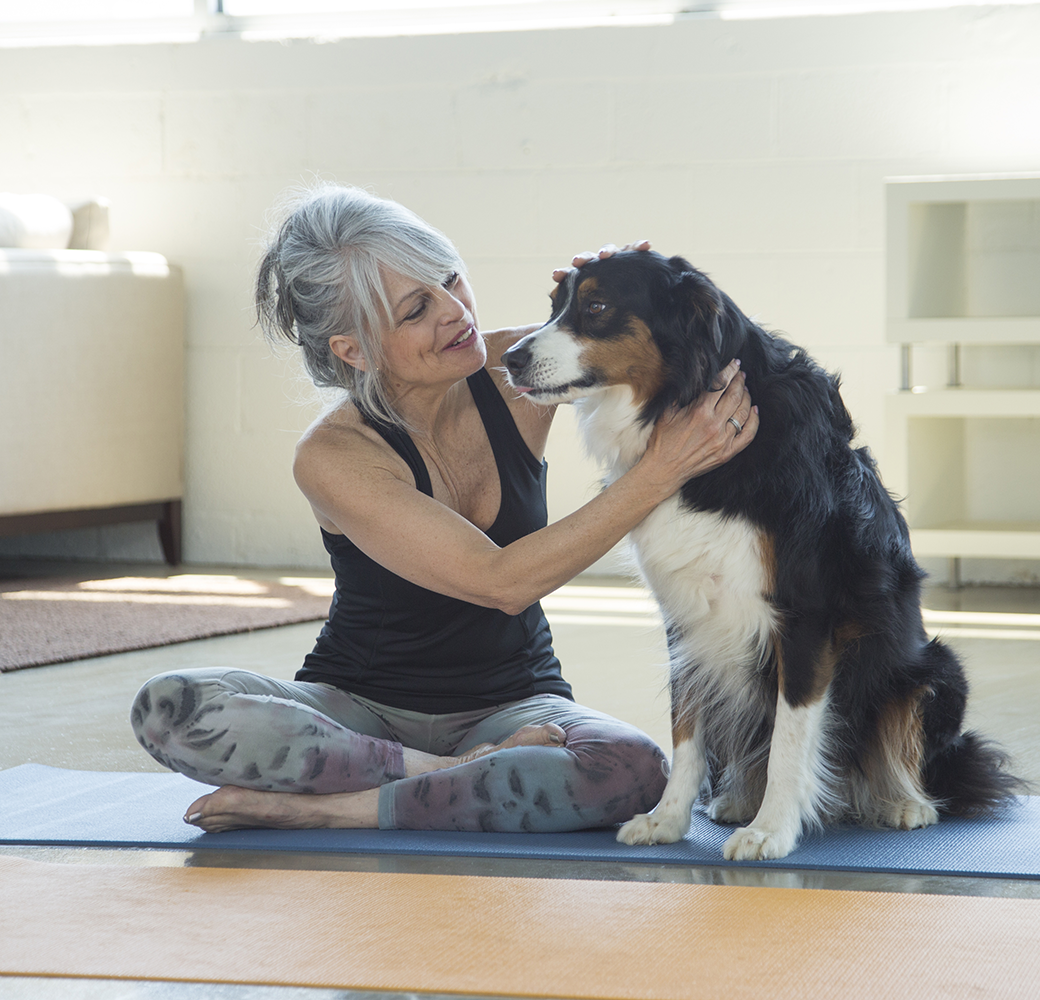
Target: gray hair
322, 275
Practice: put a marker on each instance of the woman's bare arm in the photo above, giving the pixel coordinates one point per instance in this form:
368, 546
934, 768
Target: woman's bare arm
353, 485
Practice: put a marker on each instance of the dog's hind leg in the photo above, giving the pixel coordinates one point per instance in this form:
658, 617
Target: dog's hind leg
796, 782
741, 787
893, 768
728, 808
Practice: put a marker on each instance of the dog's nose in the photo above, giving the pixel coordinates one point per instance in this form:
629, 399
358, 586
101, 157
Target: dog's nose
517, 358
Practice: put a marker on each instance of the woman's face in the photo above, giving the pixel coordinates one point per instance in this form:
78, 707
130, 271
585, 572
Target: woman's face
433, 337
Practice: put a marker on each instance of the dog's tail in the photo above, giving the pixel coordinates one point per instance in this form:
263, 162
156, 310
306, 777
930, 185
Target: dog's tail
968, 774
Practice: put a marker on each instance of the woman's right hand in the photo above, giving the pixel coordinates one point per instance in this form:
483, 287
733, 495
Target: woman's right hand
688, 442
603, 252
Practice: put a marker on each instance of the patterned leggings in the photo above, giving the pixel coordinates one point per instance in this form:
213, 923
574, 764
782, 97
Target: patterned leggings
233, 727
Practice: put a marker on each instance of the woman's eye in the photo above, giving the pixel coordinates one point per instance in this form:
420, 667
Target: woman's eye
595, 307
416, 313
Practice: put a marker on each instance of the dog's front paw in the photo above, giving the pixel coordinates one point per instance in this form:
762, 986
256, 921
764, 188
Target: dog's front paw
651, 828
751, 844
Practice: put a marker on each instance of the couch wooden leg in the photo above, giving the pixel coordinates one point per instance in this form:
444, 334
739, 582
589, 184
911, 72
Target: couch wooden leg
170, 531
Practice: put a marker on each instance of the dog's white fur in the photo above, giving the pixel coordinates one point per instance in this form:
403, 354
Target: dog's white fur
708, 573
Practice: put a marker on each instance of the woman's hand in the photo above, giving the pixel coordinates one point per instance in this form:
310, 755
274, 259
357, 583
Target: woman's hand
605, 251
704, 435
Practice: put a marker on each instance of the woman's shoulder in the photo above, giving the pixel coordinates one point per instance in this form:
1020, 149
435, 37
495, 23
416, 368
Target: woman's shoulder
343, 467
340, 438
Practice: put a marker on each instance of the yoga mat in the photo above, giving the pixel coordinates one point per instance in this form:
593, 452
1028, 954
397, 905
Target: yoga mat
48, 806
510, 936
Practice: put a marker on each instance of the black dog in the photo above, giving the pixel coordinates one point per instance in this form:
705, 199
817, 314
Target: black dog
804, 688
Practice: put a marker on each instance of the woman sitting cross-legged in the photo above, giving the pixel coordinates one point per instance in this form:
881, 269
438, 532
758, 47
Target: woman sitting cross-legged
433, 698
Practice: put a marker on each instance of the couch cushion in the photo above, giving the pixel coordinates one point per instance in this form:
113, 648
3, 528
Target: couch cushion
89, 225
34, 221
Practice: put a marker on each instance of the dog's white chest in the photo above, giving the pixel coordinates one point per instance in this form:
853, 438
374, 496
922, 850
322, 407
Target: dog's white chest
708, 572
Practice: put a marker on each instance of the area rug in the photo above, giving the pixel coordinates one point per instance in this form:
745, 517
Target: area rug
53, 620
529, 937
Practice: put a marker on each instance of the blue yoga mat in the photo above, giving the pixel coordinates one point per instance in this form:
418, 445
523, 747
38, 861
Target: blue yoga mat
46, 806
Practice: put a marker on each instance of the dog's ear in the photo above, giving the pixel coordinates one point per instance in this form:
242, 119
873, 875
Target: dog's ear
697, 325
716, 333
702, 303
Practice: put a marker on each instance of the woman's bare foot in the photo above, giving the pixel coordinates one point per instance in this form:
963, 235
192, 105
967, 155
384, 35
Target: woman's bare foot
528, 736
234, 808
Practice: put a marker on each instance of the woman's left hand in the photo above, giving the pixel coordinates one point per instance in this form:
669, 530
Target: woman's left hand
605, 251
707, 433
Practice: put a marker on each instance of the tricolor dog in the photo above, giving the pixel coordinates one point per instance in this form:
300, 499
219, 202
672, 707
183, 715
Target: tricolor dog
804, 688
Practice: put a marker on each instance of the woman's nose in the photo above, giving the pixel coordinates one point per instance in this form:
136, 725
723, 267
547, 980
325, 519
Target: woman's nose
453, 308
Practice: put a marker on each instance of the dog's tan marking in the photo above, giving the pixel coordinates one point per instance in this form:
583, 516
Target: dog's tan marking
684, 718
849, 632
767, 548
823, 670
631, 359
587, 288
899, 740
826, 664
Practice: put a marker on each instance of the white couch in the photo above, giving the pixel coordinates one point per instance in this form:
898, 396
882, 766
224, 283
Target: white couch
91, 391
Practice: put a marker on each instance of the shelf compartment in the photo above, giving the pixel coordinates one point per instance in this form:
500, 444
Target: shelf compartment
986, 540
966, 463
963, 401
963, 258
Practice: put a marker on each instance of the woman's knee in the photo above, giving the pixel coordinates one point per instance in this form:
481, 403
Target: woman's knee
169, 719
620, 765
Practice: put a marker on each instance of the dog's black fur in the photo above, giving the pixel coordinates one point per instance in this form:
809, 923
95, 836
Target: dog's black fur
844, 575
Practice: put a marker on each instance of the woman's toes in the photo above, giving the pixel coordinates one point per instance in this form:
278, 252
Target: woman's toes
549, 734
194, 812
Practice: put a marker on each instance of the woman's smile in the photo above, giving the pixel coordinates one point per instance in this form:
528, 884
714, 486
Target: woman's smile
464, 339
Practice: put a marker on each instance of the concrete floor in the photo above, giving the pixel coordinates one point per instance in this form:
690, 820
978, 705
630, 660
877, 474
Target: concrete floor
74, 715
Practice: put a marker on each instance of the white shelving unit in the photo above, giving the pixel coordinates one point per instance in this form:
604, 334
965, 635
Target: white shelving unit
963, 268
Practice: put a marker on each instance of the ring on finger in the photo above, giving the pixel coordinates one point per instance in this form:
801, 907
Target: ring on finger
736, 423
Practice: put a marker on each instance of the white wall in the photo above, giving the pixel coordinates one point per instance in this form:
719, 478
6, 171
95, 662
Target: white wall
755, 148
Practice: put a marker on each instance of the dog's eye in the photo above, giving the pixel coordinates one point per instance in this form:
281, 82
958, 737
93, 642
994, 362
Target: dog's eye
595, 307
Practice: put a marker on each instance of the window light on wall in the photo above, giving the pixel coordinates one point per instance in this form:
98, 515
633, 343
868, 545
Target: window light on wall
21, 11
59, 22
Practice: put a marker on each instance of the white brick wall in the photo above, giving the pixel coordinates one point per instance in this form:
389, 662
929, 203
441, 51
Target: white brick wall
755, 148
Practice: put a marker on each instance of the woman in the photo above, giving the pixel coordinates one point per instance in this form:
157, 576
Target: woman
432, 699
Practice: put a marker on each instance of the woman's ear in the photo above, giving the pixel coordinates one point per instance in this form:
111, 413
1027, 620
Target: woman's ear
347, 349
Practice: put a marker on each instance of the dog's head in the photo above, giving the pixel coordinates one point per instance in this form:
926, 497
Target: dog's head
636, 319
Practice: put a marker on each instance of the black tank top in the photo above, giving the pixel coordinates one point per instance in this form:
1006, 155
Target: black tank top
402, 645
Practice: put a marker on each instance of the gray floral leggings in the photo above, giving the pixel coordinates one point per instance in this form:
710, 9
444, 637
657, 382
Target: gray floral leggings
232, 727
